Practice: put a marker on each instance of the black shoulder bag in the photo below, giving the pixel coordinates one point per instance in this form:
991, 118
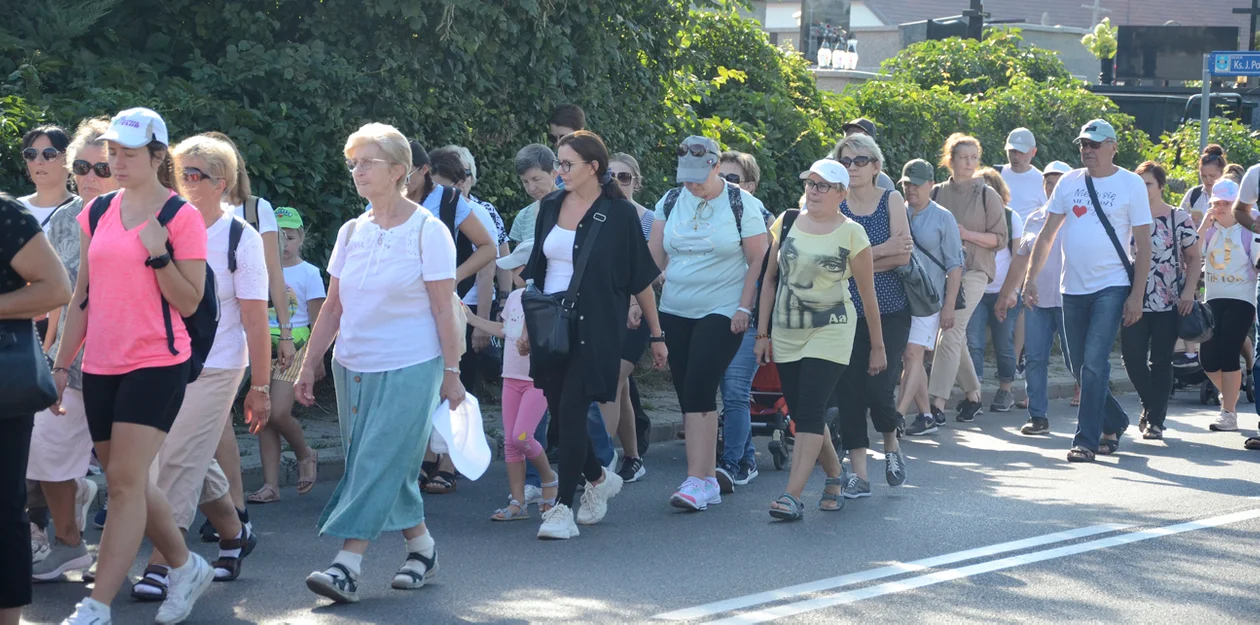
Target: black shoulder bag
27, 386
1198, 326
550, 319
1106, 224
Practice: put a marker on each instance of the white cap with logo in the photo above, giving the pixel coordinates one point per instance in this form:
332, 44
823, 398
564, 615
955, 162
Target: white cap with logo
830, 170
1056, 167
136, 128
1021, 139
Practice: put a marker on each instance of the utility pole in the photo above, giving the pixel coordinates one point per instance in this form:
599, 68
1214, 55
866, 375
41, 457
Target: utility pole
1099, 10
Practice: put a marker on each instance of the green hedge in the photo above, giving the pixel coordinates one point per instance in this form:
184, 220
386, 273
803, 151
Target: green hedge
1179, 151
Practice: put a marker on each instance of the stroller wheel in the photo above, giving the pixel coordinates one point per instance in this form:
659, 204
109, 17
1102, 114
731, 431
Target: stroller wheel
1249, 386
777, 455
1207, 393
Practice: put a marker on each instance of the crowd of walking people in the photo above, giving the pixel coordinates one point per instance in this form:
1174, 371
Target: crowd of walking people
144, 290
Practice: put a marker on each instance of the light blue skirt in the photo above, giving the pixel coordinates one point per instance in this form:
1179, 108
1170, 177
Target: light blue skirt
385, 424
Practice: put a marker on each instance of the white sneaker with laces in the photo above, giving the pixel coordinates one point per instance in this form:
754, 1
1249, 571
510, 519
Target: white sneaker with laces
558, 524
691, 495
84, 495
712, 493
533, 495
39, 544
1226, 422
187, 584
89, 612
595, 498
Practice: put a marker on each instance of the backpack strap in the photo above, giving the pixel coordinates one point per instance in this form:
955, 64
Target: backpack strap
446, 211
789, 218
169, 210
1010, 231
251, 212
235, 229
935, 191
736, 200
671, 199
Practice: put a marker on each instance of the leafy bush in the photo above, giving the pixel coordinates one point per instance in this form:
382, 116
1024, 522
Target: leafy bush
1178, 151
969, 67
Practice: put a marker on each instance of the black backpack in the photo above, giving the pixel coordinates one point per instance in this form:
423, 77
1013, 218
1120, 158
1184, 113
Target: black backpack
204, 322
463, 247
733, 195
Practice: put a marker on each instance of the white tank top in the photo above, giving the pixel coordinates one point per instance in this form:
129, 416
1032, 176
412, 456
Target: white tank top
558, 247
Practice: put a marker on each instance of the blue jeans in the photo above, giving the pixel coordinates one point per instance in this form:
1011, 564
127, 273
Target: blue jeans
1040, 327
1003, 337
736, 412
1091, 323
600, 439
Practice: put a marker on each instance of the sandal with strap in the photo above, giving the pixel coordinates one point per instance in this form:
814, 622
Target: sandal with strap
342, 588
1080, 454
228, 568
1108, 446
427, 468
1252, 443
506, 514
441, 484
154, 575
838, 498
549, 502
266, 494
792, 510
409, 578
308, 472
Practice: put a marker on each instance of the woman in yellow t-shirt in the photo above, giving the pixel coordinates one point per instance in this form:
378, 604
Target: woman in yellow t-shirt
813, 324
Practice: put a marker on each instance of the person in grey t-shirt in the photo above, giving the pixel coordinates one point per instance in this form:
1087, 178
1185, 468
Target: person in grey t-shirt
938, 247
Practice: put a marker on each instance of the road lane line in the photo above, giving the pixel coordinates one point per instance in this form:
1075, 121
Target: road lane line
853, 596
897, 568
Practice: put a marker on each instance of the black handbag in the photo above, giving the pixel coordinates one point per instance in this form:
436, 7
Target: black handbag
550, 319
961, 302
26, 384
1196, 327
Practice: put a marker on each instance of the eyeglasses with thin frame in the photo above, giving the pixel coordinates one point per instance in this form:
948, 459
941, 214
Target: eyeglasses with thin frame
192, 175
1093, 145
366, 163
695, 149
49, 154
624, 177
821, 187
859, 161
565, 167
82, 167
731, 178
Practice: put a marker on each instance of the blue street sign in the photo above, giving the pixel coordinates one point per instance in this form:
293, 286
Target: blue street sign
1235, 64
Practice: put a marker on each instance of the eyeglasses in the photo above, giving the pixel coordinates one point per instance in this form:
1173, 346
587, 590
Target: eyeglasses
366, 163
821, 187
566, 166
81, 168
860, 161
1093, 145
192, 175
624, 177
695, 149
731, 178
49, 154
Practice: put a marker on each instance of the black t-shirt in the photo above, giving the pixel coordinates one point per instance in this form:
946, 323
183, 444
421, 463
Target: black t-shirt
620, 266
17, 228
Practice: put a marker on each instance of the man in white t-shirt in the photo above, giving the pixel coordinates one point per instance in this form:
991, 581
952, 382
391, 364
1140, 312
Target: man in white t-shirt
1023, 180
1248, 195
1098, 286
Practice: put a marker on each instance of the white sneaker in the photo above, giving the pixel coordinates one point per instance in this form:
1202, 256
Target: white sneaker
39, 544
1226, 422
691, 495
533, 495
712, 492
89, 612
595, 498
558, 524
187, 584
84, 495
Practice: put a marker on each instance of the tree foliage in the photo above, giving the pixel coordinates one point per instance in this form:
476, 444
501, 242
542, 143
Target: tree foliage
1178, 151
970, 67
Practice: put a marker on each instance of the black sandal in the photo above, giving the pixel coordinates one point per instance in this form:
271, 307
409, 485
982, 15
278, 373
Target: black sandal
427, 468
1080, 454
441, 484
1252, 443
232, 566
407, 579
1106, 446
153, 575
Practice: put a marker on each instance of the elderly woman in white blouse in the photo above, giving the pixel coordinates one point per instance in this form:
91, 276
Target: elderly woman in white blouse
391, 308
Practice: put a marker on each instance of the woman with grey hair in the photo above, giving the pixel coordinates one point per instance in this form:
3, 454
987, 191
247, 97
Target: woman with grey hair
391, 307
536, 166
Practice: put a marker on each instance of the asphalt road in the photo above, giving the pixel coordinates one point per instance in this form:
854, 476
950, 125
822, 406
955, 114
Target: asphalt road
991, 526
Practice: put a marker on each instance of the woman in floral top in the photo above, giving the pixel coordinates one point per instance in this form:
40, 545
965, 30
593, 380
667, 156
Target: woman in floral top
1170, 291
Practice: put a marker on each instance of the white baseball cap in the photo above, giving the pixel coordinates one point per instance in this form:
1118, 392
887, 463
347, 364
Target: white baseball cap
1021, 139
1056, 167
518, 257
830, 170
1225, 190
136, 128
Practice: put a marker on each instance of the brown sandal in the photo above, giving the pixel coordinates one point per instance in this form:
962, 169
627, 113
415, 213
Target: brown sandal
308, 472
266, 494
1252, 443
1080, 454
227, 568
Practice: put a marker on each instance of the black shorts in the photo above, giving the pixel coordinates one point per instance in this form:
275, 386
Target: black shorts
150, 396
635, 343
700, 350
1234, 322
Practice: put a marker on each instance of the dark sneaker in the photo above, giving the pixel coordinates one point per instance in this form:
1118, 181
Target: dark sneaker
1003, 401
1021, 368
895, 468
631, 470
855, 487
922, 425
967, 411
99, 520
747, 472
1036, 426
938, 415
726, 477
208, 533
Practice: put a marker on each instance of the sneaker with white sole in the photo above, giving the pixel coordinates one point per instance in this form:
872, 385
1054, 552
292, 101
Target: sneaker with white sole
895, 468
417, 571
855, 487
84, 495
726, 477
747, 472
89, 612
712, 493
632, 470
558, 524
595, 498
1226, 422
187, 584
62, 558
39, 544
691, 495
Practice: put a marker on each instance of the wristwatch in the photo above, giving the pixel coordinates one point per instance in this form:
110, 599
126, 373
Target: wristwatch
158, 262
657, 339
264, 389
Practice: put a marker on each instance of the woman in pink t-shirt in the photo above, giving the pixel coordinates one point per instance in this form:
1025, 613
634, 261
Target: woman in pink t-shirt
133, 373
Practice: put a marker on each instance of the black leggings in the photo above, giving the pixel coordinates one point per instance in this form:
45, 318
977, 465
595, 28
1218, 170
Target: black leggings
1234, 321
1147, 347
807, 386
700, 350
15, 530
859, 392
568, 402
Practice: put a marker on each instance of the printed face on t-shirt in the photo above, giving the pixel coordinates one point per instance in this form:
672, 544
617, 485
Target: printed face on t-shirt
813, 296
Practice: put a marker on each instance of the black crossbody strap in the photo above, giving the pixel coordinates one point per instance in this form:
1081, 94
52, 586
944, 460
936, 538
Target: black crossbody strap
579, 265
1111, 232
929, 255
54, 211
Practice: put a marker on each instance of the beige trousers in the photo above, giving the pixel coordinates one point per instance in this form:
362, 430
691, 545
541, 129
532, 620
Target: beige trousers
185, 470
951, 360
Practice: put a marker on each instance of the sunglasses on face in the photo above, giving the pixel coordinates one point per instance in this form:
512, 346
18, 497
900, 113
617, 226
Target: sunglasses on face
81, 168
193, 175
695, 149
821, 187
624, 177
1093, 145
731, 178
49, 154
859, 161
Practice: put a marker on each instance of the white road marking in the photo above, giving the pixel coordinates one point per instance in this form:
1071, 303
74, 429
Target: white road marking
892, 570
853, 596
